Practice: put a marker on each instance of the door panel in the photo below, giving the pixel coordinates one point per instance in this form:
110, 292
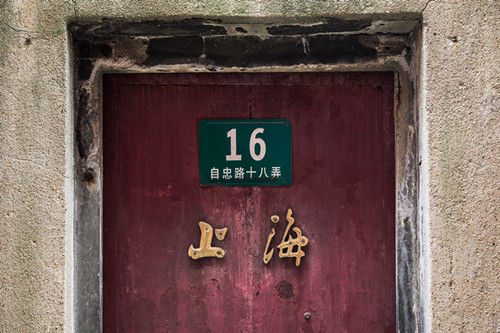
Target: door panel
342, 198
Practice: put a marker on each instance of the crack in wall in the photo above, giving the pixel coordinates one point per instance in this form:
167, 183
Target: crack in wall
36, 35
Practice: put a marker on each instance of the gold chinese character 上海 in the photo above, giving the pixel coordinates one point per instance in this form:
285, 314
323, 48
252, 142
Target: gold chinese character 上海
206, 249
287, 245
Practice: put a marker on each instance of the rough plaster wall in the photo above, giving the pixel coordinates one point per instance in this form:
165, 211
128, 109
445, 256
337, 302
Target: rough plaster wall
462, 82
460, 140
32, 170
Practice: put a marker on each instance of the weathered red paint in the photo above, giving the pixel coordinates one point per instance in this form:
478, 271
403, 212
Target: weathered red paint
342, 198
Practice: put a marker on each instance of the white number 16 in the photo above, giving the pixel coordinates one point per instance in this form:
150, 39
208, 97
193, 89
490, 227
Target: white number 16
231, 134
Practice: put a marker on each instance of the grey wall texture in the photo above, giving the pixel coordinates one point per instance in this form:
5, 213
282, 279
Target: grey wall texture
458, 126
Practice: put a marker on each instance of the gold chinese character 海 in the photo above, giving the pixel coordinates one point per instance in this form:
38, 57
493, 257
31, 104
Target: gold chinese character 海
206, 249
287, 245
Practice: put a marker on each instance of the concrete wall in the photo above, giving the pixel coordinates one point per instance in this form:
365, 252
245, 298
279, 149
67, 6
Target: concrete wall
459, 132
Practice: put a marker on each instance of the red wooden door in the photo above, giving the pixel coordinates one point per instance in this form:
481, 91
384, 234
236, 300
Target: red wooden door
342, 199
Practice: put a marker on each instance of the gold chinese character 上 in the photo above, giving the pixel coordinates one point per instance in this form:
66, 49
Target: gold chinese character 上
206, 249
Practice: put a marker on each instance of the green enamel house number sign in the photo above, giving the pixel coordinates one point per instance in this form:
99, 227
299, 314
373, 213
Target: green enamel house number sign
245, 152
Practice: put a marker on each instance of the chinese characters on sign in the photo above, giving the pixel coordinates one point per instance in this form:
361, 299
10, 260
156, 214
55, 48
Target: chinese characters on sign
245, 152
286, 247
240, 173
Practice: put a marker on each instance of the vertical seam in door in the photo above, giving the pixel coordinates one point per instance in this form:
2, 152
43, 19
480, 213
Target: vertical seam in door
250, 92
